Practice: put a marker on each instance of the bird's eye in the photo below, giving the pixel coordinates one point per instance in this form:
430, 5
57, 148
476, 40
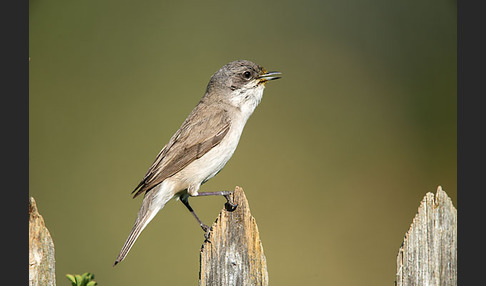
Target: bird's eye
247, 75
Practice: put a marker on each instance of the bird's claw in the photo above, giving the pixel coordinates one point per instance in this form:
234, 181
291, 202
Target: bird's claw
230, 205
207, 232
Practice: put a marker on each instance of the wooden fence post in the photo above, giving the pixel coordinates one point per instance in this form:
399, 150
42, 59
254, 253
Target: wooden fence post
41, 250
428, 255
234, 253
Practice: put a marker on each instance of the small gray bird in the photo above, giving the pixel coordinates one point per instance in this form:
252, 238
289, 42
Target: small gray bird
203, 144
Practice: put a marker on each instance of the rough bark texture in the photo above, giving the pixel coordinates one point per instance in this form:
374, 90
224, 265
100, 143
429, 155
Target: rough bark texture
41, 250
234, 253
428, 255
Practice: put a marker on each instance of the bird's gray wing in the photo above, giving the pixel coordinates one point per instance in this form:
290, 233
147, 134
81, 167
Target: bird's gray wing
196, 136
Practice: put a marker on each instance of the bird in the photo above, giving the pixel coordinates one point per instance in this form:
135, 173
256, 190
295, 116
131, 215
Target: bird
202, 145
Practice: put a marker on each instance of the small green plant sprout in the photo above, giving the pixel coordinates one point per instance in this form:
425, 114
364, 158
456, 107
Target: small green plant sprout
87, 279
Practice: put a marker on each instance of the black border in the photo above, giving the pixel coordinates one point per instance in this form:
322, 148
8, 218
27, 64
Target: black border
470, 141
15, 140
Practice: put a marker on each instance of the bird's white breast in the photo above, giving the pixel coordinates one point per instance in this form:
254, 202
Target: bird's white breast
206, 167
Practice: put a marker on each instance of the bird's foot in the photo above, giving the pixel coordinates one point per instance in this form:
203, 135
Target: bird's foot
230, 205
207, 232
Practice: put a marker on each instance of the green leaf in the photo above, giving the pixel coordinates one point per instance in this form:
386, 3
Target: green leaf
71, 278
85, 279
79, 280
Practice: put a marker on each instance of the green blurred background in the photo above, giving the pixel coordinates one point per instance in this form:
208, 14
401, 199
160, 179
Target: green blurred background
334, 161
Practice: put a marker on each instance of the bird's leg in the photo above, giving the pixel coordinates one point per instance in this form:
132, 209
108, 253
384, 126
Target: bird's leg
230, 206
205, 228
225, 194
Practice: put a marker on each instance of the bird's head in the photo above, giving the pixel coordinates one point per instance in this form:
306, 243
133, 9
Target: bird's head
240, 83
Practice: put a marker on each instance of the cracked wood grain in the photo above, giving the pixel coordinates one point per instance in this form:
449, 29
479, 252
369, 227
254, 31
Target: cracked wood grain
428, 255
234, 253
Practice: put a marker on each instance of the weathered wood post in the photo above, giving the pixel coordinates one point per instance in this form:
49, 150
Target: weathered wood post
41, 250
234, 253
428, 255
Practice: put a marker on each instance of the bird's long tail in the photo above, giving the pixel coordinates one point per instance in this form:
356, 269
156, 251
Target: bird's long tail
152, 203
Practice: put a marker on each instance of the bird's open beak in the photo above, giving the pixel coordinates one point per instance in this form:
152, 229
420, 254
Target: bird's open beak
269, 76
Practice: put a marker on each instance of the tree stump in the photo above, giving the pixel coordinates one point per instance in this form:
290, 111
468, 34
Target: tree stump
41, 250
428, 255
234, 253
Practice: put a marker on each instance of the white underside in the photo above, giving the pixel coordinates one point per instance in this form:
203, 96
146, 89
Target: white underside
199, 171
